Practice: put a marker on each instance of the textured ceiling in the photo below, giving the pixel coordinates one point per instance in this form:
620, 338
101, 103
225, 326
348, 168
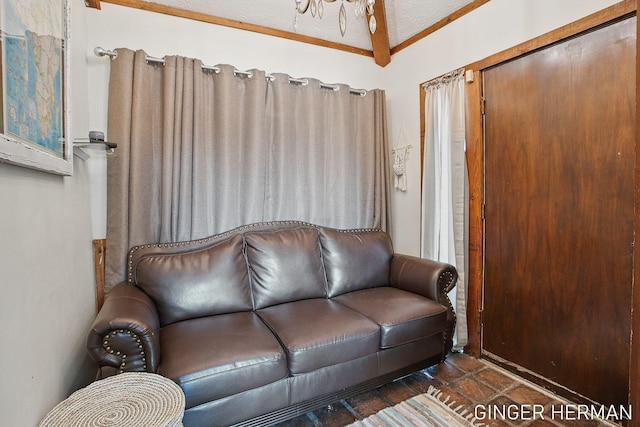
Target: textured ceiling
405, 18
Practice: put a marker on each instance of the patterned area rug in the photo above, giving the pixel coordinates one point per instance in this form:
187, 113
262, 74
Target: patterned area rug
429, 409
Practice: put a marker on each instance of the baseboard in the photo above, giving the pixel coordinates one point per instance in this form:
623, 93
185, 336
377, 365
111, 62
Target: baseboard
537, 379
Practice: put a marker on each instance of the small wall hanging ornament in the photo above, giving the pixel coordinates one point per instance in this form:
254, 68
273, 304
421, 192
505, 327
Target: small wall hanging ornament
400, 155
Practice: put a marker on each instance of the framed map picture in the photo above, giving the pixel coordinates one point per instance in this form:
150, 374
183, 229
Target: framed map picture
34, 61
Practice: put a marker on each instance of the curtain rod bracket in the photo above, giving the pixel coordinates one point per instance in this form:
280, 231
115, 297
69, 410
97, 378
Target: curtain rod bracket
98, 51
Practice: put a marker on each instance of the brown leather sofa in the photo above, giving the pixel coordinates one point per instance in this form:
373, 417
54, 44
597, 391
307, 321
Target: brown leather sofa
268, 321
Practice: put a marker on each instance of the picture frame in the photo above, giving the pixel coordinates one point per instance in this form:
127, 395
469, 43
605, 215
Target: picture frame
34, 86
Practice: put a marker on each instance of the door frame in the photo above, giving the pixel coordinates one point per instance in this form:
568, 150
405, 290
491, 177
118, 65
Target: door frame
475, 164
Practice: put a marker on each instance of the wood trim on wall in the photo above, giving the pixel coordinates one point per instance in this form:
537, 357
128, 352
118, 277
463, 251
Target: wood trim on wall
381, 50
99, 253
617, 11
92, 3
634, 356
438, 25
210, 19
475, 167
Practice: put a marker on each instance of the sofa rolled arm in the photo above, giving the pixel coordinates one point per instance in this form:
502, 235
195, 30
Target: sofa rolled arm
125, 334
431, 279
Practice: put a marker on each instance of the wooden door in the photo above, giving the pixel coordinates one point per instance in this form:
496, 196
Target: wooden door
559, 211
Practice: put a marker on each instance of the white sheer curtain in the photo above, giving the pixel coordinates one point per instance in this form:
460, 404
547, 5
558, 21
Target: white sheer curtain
201, 152
445, 187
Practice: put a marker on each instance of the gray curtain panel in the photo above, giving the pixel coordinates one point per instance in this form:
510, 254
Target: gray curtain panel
200, 152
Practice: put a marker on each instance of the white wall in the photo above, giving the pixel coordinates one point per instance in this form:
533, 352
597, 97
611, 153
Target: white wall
493, 27
46, 275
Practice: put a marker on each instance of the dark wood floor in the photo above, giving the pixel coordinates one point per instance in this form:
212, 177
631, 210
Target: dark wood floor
469, 382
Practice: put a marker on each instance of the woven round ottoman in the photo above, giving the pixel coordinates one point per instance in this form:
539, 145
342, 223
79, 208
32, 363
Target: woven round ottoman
133, 399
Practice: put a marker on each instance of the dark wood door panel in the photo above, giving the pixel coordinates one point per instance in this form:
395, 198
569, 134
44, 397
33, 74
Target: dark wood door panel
559, 182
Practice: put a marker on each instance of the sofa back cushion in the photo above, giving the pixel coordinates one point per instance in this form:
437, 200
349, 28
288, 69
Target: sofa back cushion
285, 266
355, 260
194, 284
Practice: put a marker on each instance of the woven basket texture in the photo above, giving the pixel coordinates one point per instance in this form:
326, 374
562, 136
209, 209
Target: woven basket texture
133, 399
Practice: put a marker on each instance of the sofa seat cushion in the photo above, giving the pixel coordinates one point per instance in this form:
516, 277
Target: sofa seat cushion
403, 316
319, 332
217, 356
